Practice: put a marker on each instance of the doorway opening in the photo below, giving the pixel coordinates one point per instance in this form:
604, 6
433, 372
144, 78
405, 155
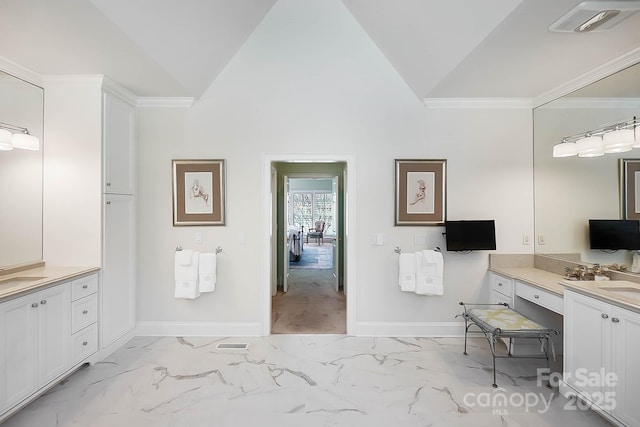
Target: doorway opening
308, 296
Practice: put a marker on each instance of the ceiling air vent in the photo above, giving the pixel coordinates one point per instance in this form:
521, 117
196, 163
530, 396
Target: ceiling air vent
595, 16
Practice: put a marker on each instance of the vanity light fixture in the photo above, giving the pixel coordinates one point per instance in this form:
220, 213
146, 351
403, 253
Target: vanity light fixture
618, 141
565, 149
12, 136
613, 138
590, 146
5, 140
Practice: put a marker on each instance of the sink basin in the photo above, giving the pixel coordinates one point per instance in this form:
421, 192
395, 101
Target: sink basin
20, 279
624, 291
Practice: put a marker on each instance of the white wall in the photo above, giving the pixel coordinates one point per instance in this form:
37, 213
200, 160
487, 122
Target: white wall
72, 171
310, 81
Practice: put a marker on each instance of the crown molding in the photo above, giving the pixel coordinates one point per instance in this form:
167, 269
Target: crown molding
168, 102
117, 90
587, 103
477, 103
20, 72
74, 79
606, 69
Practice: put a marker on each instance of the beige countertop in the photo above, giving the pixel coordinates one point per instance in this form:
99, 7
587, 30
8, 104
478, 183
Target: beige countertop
619, 292
622, 293
542, 279
34, 278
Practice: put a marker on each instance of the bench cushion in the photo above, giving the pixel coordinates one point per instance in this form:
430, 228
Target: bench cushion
504, 318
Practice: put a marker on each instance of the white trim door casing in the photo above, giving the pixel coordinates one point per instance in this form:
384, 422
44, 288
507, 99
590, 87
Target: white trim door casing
349, 230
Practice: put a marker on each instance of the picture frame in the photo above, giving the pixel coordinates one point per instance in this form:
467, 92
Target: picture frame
630, 188
420, 191
198, 192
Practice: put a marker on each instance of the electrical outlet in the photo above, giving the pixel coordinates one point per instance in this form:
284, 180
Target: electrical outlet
526, 239
541, 239
420, 239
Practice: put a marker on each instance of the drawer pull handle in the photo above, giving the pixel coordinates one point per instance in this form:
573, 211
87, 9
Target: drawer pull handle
605, 316
615, 319
84, 343
85, 286
43, 302
499, 284
536, 296
85, 312
34, 305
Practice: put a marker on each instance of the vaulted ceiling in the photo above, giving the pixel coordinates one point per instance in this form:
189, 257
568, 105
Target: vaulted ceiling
442, 49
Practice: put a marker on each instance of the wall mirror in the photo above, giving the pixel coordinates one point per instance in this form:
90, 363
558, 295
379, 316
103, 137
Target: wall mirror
571, 190
21, 104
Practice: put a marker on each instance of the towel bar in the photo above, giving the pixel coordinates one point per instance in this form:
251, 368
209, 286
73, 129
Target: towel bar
218, 249
398, 250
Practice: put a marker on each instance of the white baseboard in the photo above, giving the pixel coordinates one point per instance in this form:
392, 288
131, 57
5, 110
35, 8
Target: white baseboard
410, 329
199, 329
106, 351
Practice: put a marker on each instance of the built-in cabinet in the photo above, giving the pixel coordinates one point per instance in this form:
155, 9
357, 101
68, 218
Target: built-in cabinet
601, 354
38, 339
501, 289
119, 232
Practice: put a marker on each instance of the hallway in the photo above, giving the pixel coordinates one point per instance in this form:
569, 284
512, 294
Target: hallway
311, 305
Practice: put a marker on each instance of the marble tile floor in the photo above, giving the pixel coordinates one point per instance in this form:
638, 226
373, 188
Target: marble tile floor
301, 380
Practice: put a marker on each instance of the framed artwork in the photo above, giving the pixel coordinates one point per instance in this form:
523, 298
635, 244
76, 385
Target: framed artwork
630, 188
420, 192
198, 192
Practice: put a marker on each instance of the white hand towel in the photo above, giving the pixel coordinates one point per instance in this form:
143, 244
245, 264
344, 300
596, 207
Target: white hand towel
407, 272
207, 272
429, 273
186, 276
184, 256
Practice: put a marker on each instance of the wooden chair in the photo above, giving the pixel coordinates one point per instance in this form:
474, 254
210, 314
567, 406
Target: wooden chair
317, 232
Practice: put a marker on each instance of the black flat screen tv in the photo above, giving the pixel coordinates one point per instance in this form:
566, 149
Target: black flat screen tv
470, 235
613, 234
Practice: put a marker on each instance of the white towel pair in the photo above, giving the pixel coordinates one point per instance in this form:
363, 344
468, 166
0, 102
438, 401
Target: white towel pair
194, 273
421, 272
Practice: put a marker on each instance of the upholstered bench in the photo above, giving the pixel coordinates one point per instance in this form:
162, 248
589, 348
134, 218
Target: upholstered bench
499, 321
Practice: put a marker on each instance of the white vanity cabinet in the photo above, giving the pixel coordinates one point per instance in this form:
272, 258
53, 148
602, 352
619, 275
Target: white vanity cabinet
44, 335
601, 354
34, 342
501, 289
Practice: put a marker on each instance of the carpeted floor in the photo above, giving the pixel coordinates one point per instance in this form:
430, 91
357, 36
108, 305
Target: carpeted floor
311, 306
315, 257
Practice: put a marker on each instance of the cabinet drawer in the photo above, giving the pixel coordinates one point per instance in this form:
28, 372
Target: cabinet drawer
84, 286
84, 344
542, 298
84, 312
502, 284
498, 298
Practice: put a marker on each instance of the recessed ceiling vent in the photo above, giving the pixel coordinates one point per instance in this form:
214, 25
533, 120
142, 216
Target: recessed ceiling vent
592, 16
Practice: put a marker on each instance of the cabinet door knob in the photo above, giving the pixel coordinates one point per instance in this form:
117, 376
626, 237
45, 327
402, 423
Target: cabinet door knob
499, 284
85, 312
615, 319
43, 302
84, 343
108, 184
536, 296
108, 203
85, 286
34, 305
605, 316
